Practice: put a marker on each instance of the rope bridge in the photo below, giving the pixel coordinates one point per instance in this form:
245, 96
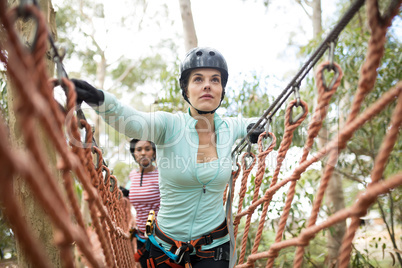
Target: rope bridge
110, 213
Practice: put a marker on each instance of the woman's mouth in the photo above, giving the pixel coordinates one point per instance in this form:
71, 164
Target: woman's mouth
207, 97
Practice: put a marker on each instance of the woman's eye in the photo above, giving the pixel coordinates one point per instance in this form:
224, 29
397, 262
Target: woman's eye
216, 80
197, 79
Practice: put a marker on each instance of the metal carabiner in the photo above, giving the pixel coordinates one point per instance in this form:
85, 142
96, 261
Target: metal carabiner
296, 91
61, 73
248, 146
252, 158
297, 117
249, 154
330, 67
268, 137
331, 54
234, 162
334, 78
268, 127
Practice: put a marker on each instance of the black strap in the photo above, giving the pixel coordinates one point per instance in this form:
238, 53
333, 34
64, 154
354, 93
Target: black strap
184, 250
207, 239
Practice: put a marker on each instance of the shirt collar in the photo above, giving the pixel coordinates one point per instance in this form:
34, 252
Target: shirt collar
191, 122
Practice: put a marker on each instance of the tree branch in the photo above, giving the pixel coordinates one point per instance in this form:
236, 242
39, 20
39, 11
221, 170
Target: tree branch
349, 176
122, 76
390, 232
305, 10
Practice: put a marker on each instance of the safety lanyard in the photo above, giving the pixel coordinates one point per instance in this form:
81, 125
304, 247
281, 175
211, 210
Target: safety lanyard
168, 253
142, 240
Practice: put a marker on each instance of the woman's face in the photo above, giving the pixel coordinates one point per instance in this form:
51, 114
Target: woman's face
143, 153
205, 88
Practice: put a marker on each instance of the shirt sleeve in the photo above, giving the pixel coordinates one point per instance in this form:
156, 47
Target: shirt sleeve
133, 123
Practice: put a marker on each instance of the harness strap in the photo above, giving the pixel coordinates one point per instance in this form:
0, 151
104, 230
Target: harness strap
168, 254
140, 250
219, 232
142, 240
180, 251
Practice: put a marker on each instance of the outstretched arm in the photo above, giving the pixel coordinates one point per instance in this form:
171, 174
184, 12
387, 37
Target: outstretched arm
125, 119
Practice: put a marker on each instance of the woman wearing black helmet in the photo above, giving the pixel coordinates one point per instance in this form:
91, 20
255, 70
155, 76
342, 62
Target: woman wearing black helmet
194, 161
144, 193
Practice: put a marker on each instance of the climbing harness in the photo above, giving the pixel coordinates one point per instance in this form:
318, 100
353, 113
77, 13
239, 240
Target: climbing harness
180, 251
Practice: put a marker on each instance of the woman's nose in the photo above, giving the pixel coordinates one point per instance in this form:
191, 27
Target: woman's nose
207, 85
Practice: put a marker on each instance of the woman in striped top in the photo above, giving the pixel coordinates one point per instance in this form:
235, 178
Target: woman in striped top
144, 191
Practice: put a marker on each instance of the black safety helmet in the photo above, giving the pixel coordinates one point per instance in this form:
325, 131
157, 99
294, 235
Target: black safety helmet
133, 142
203, 57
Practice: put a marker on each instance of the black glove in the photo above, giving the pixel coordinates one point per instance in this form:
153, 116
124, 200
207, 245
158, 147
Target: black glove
125, 191
256, 132
87, 93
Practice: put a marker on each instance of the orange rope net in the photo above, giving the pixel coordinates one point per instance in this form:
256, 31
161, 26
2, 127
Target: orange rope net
379, 26
35, 105
110, 213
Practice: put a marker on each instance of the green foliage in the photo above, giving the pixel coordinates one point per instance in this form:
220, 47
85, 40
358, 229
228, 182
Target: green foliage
170, 98
148, 68
268, 237
3, 99
7, 241
121, 170
84, 28
250, 100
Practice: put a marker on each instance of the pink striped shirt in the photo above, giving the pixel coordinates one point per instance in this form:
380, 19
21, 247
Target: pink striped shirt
146, 197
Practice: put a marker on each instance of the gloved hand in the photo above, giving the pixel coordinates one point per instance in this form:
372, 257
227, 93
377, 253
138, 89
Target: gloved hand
87, 93
256, 132
125, 191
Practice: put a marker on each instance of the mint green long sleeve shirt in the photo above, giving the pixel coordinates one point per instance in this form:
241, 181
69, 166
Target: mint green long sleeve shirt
191, 193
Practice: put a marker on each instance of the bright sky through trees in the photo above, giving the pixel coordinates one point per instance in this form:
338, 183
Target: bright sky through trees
250, 36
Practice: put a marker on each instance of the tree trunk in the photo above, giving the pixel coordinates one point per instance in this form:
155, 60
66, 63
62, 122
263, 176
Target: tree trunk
34, 213
335, 201
316, 17
190, 36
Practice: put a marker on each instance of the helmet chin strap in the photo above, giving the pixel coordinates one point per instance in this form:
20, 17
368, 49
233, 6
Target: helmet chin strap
204, 112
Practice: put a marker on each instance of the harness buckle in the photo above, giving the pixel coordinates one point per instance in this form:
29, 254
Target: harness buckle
208, 239
218, 254
184, 251
221, 254
179, 254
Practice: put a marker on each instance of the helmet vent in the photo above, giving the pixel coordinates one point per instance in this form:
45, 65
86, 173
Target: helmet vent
199, 53
212, 53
